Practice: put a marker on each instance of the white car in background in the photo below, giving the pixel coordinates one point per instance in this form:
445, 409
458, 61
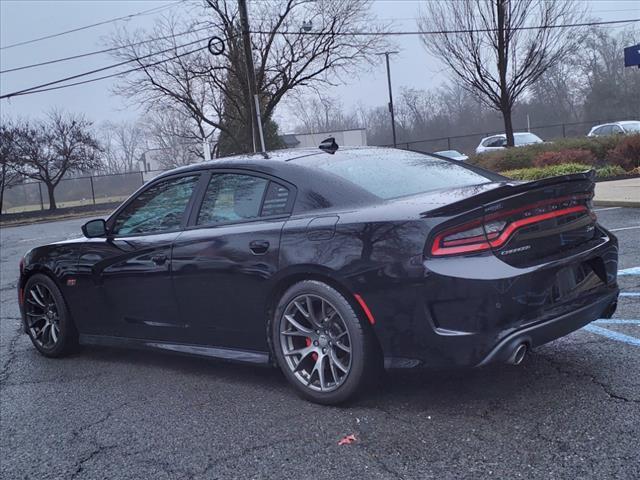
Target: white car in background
453, 155
499, 142
629, 127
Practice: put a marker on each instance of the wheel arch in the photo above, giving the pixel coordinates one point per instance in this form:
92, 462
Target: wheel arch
320, 274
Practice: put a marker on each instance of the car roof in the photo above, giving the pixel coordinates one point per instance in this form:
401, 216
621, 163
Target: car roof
504, 135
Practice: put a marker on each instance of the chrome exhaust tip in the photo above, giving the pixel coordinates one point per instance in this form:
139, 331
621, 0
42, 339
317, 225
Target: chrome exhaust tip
518, 354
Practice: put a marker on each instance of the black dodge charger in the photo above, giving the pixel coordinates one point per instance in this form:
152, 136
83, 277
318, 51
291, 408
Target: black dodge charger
331, 265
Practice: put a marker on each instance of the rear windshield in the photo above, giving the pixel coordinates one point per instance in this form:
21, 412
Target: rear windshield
394, 173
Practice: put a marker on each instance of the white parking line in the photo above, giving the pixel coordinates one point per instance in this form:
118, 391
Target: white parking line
623, 228
630, 294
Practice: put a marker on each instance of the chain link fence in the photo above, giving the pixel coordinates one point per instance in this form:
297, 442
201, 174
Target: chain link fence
468, 143
75, 192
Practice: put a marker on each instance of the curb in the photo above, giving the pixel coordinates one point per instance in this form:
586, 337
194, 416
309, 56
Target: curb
57, 218
616, 203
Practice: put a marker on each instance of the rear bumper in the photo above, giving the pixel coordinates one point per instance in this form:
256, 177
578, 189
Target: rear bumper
471, 311
545, 332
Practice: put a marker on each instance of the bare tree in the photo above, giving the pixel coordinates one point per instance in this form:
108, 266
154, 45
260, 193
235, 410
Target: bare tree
171, 142
122, 145
9, 176
506, 45
49, 149
320, 113
210, 89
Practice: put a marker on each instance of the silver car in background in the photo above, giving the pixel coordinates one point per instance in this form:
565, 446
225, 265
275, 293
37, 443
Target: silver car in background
453, 154
629, 127
499, 142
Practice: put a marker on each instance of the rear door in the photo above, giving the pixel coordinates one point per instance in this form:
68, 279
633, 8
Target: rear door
223, 262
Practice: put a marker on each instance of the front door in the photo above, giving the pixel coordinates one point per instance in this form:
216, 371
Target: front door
130, 269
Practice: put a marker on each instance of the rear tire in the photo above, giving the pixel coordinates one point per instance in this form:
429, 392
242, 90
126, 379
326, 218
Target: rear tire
47, 319
326, 351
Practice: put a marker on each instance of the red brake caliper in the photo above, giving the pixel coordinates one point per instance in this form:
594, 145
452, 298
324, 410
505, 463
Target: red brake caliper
314, 355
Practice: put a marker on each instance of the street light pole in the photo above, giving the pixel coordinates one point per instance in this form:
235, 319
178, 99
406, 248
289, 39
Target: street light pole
393, 120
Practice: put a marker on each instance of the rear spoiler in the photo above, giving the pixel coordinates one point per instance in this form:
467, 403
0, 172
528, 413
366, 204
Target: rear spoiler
507, 189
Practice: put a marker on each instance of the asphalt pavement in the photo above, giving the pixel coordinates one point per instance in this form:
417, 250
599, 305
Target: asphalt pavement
572, 410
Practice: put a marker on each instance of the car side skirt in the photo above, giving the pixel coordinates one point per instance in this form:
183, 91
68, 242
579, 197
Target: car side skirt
228, 354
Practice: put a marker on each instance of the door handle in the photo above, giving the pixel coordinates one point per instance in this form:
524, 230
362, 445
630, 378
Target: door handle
259, 247
159, 259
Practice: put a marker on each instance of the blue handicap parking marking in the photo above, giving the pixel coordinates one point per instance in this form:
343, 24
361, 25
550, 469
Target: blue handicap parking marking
617, 321
620, 337
629, 271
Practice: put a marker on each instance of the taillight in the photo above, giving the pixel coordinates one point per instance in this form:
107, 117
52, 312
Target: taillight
477, 236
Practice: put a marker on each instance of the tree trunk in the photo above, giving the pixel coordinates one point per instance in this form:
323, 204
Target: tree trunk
52, 199
508, 125
1, 196
503, 65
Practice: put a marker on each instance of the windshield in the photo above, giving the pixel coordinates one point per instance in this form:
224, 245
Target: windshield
524, 138
394, 173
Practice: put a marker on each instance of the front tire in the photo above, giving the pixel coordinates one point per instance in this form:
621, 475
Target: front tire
324, 348
47, 319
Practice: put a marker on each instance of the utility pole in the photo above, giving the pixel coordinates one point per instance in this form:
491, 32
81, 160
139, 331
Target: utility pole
254, 103
393, 120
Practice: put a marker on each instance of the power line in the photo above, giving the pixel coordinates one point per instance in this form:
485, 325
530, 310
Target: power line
97, 52
117, 74
41, 87
85, 27
440, 32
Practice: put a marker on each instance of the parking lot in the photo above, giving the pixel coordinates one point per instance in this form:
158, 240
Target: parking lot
572, 410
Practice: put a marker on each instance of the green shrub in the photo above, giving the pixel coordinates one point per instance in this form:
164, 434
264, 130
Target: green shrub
536, 173
600, 149
584, 157
610, 171
626, 154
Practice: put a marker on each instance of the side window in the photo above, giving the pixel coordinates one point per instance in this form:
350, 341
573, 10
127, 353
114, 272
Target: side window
616, 130
496, 142
231, 197
606, 130
276, 200
159, 208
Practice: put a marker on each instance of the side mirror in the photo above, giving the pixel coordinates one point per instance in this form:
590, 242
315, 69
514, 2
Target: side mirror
95, 228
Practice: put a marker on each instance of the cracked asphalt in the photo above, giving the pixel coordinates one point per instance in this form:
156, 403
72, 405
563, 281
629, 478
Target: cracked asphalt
571, 411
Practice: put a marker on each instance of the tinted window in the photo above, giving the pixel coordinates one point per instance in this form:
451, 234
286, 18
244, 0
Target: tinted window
159, 208
276, 200
394, 173
231, 197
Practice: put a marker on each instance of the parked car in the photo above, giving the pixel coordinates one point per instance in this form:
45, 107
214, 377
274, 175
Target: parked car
499, 142
329, 266
630, 127
454, 155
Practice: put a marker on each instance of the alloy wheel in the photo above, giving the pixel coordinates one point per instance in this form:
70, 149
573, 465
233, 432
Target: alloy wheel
315, 343
43, 318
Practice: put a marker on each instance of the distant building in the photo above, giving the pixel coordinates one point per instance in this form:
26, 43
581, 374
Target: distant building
345, 138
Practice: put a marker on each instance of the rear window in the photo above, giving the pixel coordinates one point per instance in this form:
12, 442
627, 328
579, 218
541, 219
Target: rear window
524, 138
394, 173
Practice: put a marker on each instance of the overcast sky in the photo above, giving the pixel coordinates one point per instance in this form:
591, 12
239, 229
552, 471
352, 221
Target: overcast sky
22, 20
